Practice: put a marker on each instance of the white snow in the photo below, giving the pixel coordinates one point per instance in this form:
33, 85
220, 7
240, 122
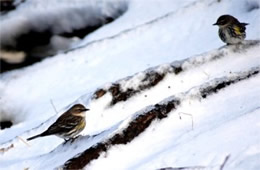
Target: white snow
217, 127
152, 35
56, 16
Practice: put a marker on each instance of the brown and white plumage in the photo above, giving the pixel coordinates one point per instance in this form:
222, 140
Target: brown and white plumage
68, 125
231, 31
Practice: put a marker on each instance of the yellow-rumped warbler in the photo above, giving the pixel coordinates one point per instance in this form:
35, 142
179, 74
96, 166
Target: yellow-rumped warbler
231, 31
68, 125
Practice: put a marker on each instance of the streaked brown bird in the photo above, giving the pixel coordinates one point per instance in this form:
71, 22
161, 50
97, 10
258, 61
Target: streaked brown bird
68, 125
231, 31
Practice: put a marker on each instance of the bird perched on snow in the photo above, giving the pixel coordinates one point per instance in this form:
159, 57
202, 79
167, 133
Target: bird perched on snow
231, 31
68, 125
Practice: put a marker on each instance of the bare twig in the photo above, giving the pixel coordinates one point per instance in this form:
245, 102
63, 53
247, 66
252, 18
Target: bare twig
224, 162
53, 106
205, 73
187, 114
198, 167
186, 168
24, 141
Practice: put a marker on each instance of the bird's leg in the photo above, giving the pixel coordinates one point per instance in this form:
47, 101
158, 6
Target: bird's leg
70, 139
73, 139
66, 140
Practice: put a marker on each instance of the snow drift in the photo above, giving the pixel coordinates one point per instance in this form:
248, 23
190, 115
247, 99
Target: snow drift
182, 106
160, 96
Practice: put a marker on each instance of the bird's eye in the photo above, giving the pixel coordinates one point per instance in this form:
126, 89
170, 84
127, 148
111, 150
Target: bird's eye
221, 22
77, 110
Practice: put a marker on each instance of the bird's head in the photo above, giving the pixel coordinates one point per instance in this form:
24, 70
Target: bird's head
225, 20
78, 110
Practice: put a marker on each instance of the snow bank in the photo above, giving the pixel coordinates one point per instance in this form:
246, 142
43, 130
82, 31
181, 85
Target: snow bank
130, 68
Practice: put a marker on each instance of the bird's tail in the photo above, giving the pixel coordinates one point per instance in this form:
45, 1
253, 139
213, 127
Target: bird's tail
36, 136
244, 24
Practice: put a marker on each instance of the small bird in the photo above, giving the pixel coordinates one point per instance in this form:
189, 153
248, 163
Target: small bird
68, 125
231, 31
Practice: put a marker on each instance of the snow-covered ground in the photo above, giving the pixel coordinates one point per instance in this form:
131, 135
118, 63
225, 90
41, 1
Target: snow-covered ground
174, 42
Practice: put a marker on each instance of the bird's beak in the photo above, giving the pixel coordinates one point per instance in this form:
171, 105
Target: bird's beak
85, 109
215, 23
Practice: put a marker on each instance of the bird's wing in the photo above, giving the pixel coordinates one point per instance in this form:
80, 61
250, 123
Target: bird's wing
64, 124
240, 28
